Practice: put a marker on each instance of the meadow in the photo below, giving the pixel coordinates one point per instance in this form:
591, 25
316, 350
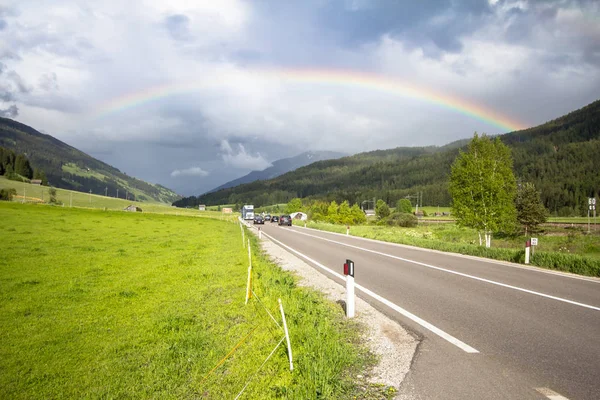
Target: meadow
106, 304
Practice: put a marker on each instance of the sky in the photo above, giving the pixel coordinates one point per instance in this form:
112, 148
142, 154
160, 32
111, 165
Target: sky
191, 93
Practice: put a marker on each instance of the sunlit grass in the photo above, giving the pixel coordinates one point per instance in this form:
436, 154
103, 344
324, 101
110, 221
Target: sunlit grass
108, 304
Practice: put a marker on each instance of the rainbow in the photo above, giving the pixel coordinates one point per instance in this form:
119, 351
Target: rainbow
343, 78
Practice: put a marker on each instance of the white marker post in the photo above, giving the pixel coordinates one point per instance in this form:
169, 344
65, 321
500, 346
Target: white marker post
349, 272
287, 335
527, 248
347, 230
249, 282
259, 233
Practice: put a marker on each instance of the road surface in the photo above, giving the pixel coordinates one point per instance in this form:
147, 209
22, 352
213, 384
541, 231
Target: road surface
490, 330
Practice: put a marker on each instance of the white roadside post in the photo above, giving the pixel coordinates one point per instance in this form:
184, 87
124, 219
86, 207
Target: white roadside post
527, 248
347, 230
249, 282
349, 272
287, 335
259, 233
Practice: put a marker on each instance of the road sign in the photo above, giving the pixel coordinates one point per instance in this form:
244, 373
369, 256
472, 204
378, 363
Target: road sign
534, 241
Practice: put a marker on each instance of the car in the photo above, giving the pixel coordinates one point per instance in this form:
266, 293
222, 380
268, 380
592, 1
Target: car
268, 217
274, 218
259, 220
285, 220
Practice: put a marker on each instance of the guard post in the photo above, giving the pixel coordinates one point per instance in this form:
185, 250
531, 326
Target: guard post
527, 248
349, 272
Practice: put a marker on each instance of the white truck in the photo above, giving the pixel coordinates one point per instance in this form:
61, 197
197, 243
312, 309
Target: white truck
248, 212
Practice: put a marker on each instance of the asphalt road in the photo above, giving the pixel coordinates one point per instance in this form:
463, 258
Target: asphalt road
490, 330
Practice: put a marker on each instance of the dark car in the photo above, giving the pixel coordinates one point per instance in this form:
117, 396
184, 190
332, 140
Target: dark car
268, 217
274, 218
285, 220
259, 220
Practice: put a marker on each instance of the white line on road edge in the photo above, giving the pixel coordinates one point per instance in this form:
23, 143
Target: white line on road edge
422, 322
551, 394
530, 268
456, 273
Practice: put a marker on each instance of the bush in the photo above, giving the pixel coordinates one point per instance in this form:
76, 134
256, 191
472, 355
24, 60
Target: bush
402, 219
7, 194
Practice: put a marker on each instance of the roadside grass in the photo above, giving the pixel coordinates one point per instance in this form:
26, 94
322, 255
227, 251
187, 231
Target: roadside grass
101, 304
565, 249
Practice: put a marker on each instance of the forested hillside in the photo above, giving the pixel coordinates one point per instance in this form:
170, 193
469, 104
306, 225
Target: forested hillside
68, 168
560, 157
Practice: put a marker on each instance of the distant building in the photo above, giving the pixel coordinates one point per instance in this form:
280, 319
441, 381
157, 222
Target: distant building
370, 213
201, 207
36, 182
226, 210
132, 208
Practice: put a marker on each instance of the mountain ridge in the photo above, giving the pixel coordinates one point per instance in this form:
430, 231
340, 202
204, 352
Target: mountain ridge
67, 167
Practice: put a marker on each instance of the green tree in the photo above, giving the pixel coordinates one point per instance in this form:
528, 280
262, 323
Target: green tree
404, 206
52, 194
358, 215
294, 205
332, 212
41, 175
530, 209
381, 209
344, 213
7, 194
22, 166
483, 187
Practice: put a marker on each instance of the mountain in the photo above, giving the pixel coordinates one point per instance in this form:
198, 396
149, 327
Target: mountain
280, 167
68, 168
560, 157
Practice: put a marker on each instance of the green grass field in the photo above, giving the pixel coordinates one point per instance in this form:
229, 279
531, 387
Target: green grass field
552, 239
105, 304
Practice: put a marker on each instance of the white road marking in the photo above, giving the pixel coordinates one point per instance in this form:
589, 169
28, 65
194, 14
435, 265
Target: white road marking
408, 314
487, 260
455, 272
551, 394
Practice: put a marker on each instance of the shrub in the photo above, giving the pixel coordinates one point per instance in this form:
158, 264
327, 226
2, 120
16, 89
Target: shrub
402, 219
7, 194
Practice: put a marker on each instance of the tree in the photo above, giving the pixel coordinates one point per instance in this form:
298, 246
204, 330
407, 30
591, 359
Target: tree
404, 206
381, 209
332, 212
52, 194
41, 175
483, 187
7, 194
358, 215
344, 213
294, 205
530, 209
22, 166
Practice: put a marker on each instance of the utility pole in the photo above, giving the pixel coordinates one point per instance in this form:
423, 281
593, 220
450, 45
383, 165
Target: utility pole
117, 193
106, 192
90, 196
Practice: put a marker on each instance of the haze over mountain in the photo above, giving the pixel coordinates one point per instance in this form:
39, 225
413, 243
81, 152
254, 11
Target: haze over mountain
68, 168
282, 166
560, 157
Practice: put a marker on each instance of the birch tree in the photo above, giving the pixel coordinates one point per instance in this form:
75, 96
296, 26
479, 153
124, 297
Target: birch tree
483, 187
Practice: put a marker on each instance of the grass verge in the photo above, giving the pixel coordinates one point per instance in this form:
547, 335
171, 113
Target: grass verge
452, 239
111, 305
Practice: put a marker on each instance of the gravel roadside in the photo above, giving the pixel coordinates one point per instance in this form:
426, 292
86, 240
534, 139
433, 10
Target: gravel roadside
392, 344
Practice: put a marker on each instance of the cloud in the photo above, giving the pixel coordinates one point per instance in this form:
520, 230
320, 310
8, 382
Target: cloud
10, 112
193, 171
242, 159
178, 26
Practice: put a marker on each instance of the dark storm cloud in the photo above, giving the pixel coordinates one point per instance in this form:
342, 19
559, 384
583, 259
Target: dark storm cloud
409, 20
10, 112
